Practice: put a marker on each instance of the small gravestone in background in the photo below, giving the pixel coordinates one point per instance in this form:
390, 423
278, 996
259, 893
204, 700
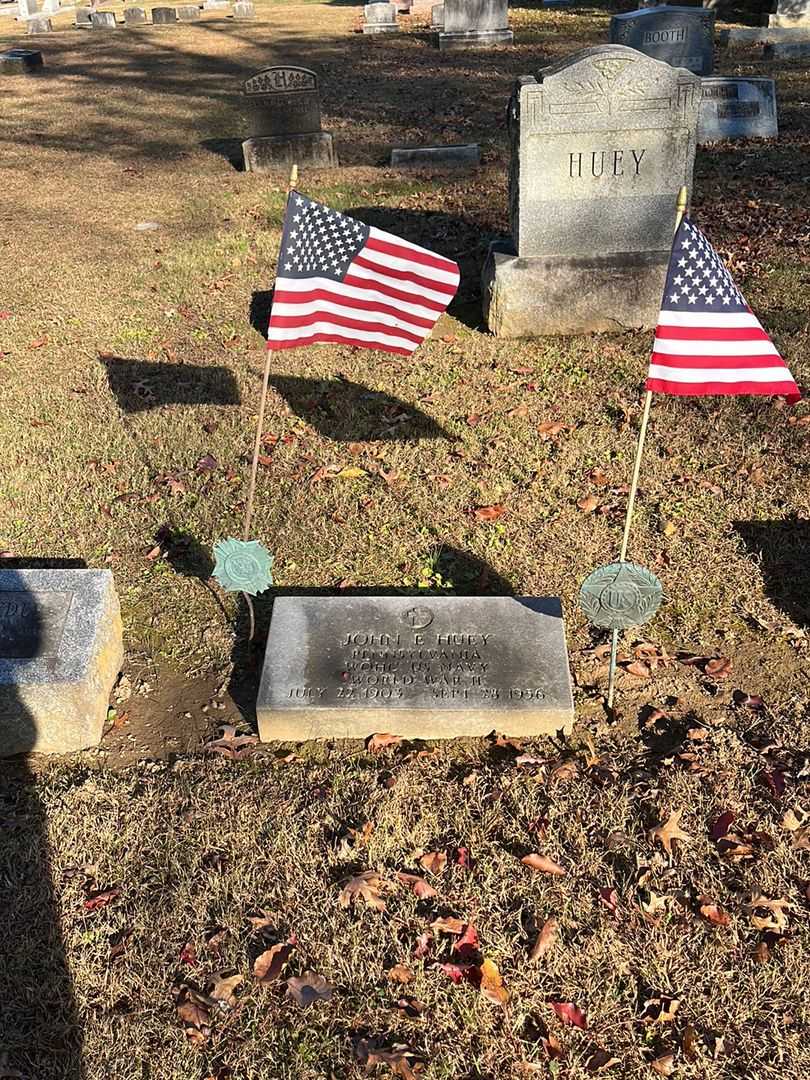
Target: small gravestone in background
38, 24
60, 654
380, 18
162, 16
188, 13
437, 16
50, 7
103, 20
26, 8
423, 667
135, 16
244, 9
474, 24
404, 7
84, 18
786, 50
215, 5
284, 114
737, 108
745, 37
20, 62
791, 14
681, 36
465, 157
601, 144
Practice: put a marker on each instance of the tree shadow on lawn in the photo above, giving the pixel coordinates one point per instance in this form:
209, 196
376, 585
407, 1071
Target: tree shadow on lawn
40, 1032
782, 552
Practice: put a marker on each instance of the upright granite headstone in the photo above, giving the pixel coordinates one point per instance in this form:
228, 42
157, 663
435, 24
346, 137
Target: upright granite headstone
135, 16
244, 9
681, 36
103, 20
424, 667
601, 144
787, 50
38, 24
380, 18
26, 8
792, 14
20, 62
60, 654
474, 24
50, 7
83, 18
163, 16
437, 16
284, 113
188, 13
737, 108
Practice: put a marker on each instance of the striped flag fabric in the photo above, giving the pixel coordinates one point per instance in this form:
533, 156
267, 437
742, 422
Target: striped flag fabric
342, 281
708, 341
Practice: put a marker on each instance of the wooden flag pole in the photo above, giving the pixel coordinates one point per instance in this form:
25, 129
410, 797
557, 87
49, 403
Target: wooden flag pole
257, 445
631, 500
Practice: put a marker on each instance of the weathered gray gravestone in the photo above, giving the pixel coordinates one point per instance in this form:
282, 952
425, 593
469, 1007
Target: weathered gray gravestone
244, 9
744, 37
437, 16
786, 50
20, 62
60, 654
50, 7
103, 20
38, 24
135, 16
681, 36
188, 13
284, 113
474, 24
791, 14
162, 16
601, 144
467, 156
424, 667
380, 18
737, 108
26, 8
83, 17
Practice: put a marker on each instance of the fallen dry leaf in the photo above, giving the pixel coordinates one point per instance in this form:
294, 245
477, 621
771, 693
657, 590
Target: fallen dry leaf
544, 864
379, 742
399, 1058
660, 1010
401, 974
489, 513
713, 913
308, 988
588, 504
767, 914
550, 429
599, 1060
669, 831
448, 926
492, 987
100, 898
232, 746
417, 884
570, 1014
223, 989
545, 940
664, 1065
434, 861
267, 967
369, 885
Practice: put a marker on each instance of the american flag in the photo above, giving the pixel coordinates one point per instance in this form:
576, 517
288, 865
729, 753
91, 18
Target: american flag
340, 280
708, 341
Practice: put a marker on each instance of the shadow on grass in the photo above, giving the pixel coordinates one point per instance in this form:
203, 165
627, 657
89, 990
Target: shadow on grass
782, 552
230, 149
40, 1033
146, 384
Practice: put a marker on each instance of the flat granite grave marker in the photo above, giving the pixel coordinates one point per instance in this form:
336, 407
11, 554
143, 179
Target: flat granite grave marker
474, 24
466, 156
284, 114
737, 108
681, 36
420, 667
20, 62
601, 143
380, 18
135, 16
163, 16
60, 653
103, 20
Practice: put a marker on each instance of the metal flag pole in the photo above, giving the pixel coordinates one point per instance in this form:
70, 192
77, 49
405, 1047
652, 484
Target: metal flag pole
631, 499
257, 445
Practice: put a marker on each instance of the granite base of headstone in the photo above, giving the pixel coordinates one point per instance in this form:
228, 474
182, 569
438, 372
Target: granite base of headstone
83, 18
20, 62
103, 20
283, 107
470, 24
380, 18
601, 143
737, 108
787, 50
38, 24
188, 13
135, 16
164, 16
422, 668
678, 35
60, 654
243, 9
449, 158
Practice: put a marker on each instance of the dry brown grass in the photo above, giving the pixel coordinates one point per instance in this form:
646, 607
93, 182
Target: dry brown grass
133, 129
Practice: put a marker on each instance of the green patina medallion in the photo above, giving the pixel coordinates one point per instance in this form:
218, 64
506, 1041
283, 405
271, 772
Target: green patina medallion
243, 566
620, 595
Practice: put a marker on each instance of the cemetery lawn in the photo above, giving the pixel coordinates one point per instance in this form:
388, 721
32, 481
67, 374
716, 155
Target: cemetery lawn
135, 257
